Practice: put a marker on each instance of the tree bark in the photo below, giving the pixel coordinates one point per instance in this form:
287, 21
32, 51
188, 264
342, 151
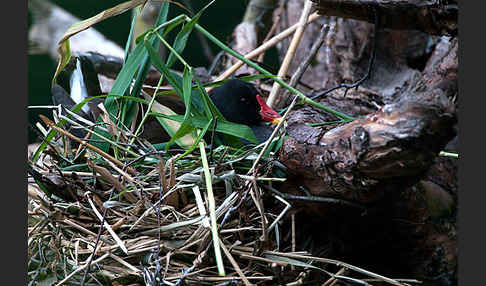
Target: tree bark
386, 161
433, 17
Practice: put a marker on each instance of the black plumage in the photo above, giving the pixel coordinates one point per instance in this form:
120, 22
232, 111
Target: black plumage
238, 101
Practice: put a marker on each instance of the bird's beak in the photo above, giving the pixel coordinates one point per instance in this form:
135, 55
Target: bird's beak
267, 113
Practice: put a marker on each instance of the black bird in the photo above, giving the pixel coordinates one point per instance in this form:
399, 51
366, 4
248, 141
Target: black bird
238, 101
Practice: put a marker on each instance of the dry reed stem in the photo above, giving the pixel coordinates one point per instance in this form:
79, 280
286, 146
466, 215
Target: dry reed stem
338, 263
262, 48
299, 32
234, 263
95, 149
333, 280
77, 226
305, 63
132, 268
101, 258
105, 174
119, 242
111, 126
255, 195
276, 20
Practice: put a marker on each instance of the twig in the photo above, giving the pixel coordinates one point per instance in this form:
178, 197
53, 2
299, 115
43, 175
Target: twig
280, 216
272, 30
293, 234
255, 194
234, 263
338, 263
267, 45
84, 143
299, 72
128, 265
333, 280
82, 267
316, 199
299, 32
107, 226
370, 65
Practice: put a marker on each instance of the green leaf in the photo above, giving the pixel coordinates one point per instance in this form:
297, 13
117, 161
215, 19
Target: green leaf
128, 111
198, 139
125, 76
130, 34
182, 37
63, 44
186, 126
162, 68
170, 127
226, 127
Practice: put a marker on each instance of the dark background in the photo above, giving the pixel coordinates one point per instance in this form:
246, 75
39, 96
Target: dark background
219, 19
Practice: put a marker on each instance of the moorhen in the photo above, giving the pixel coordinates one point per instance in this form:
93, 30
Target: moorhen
238, 101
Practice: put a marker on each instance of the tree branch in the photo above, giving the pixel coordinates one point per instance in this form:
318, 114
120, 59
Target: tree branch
433, 17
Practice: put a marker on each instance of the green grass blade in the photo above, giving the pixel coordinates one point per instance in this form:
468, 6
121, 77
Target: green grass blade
170, 127
125, 76
262, 70
186, 126
225, 127
183, 35
162, 68
130, 34
128, 111
198, 139
212, 210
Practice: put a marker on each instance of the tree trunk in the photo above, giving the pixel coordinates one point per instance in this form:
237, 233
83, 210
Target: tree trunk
386, 162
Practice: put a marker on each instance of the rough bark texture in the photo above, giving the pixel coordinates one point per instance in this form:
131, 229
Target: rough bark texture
433, 17
385, 161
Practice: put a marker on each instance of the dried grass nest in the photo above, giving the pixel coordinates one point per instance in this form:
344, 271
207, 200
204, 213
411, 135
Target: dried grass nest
156, 213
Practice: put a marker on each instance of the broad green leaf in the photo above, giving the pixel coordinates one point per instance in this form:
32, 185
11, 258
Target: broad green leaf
186, 126
226, 127
63, 44
161, 67
170, 125
198, 139
128, 110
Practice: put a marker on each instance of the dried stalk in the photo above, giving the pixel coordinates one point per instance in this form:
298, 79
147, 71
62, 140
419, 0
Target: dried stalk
299, 32
267, 45
95, 149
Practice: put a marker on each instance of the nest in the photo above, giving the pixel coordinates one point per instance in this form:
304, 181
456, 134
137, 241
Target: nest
150, 217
